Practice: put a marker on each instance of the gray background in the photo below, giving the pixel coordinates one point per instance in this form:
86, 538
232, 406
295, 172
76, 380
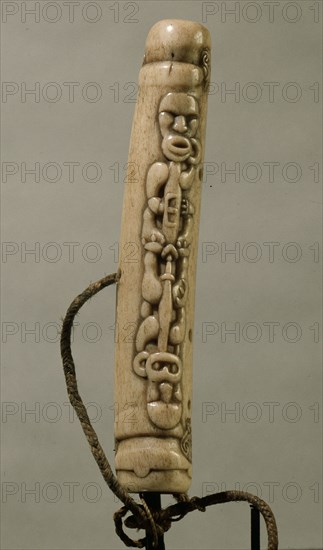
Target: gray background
271, 446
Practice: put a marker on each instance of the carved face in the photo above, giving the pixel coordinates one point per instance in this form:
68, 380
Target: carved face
164, 367
178, 122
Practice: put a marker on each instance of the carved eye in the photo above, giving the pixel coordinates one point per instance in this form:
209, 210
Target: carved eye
173, 368
166, 120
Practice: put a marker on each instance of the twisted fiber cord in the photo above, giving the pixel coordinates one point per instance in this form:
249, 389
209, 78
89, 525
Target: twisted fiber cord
76, 400
176, 512
155, 522
196, 503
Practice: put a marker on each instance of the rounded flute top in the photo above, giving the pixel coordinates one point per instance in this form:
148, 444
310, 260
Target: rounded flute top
177, 40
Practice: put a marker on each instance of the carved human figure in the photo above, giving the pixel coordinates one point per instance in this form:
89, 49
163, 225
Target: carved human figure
166, 237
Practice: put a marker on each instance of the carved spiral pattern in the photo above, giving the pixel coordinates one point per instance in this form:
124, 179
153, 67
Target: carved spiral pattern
186, 441
205, 63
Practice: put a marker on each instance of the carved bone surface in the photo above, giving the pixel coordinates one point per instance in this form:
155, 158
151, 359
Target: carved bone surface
155, 299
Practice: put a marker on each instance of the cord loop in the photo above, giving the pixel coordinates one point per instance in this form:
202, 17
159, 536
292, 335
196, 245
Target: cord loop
155, 523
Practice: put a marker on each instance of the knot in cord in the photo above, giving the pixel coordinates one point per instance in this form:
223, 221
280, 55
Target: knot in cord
196, 501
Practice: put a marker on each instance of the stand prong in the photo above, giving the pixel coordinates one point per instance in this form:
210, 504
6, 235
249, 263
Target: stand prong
255, 528
153, 501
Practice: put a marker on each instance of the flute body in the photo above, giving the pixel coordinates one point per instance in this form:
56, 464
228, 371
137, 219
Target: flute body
157, 265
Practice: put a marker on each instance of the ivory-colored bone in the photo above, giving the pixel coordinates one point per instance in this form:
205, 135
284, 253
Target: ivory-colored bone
157, 266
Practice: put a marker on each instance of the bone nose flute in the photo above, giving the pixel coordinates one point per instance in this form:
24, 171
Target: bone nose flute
157, 265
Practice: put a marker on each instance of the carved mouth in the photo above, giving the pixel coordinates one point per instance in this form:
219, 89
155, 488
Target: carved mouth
179, 145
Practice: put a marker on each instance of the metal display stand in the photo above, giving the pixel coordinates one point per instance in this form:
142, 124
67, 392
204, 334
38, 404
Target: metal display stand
153, 500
